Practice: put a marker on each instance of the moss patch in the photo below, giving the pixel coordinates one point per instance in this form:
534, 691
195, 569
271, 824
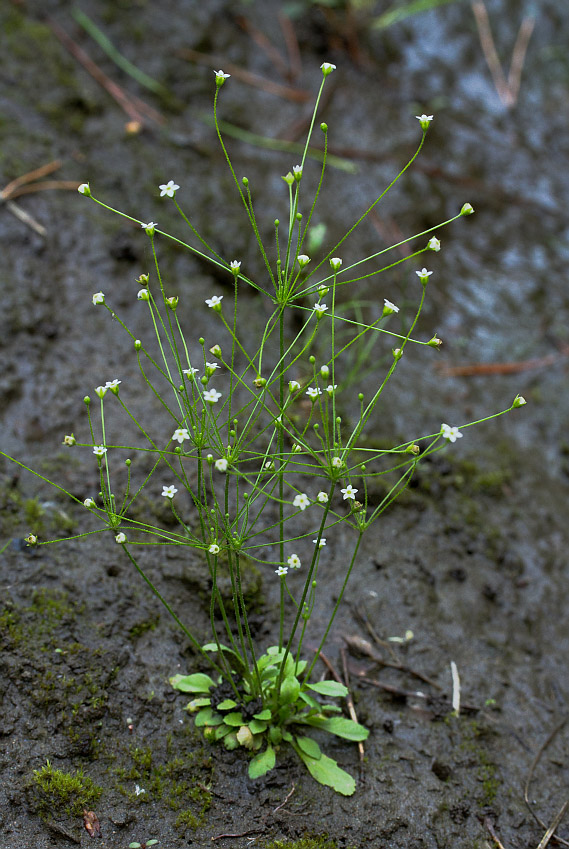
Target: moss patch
54, 793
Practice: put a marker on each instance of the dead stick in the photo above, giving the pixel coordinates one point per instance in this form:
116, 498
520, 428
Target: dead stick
518, 57
352, 710
551, 736
489, 50
549, 833
493, 834
30, 176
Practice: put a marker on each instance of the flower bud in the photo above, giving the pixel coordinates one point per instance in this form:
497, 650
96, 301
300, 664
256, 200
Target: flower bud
297, 171
84, 189
412, 449
143, 280
434, 244
137, 344
519, 401
69, 440
303, 260
215, 350
31, 539
397, 353
172, 302
288, 178
259, 382
435, 342
143, 295
467, 209
335, 263
327, 68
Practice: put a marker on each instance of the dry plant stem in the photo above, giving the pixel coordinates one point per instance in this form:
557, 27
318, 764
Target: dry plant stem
291, 43
365, 648
136, 109
247, 77
29, 177
503, 368
551, 830
488, 825
352, 711
25, 218
507, 89
263, 44
551, 736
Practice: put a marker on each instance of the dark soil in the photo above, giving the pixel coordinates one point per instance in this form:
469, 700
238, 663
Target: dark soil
472, 559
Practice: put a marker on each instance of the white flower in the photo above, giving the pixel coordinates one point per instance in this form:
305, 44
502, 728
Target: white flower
138, 790
467, 209
84, 189
313, 392
221, 464
180, 434
113, 385
335, 263
120, 538
336, 462
98, 298
388, 307
212, 396
519, 401
281, 571
450, 433
170, 188
31, 539
349, 492
99, 450
89, 503
189, 372
301, 501
424, 120
235, 265
214, 548
322, 497
324, 371
434, 244
169, 491
70, 439
330, 388
293, 385
297, 171
303, 260
327, 68
143, 295
211, 367
150, 227
296, 448
214, 301
322, 542
220, 77
423, 274
294, 561
320, 309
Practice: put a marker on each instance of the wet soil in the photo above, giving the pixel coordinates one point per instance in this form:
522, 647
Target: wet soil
472, 559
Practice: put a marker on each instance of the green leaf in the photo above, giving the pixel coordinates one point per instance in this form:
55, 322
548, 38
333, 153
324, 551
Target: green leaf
290, 690
287, 736
197, 703
226, 704
199, 682
262, 762
204, 717
300, 667
257, 727
309, 747
230, 741
263, 716
339, 725
234, 719
326, 771
222, 731
276, 734
328, 688
306, 697
236, 655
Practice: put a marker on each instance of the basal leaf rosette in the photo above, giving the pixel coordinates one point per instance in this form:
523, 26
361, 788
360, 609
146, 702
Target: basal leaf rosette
271, 708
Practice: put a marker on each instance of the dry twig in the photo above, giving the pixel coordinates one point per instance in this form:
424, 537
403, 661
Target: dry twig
551, 736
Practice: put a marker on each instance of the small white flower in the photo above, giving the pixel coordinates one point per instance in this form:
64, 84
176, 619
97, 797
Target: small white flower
423, 274
467, 209
84, 189
450, 433
320, 309
120, 538
150, 227
434, 244
336, 463
303, 260
170, 188
327, 68
221, 464
335, 263
214, 548
220, 77
113, 385
214, 301
99, 450
180, 434
211, 396
519, 401
331, 388
296, 448
302, 501
89, 503
215, 350
31, 539
313, 392
424, 120
294, 561
388, 307
322, 542
211, 367
293, 385
101, 391
235, 265
70, 439
138, 790
169, 491
349, 492
143, 295
189, 372
297, 171
322, 497
98, 298
282, 571
324, 371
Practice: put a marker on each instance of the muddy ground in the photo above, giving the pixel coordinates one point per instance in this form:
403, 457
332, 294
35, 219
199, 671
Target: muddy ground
472, 559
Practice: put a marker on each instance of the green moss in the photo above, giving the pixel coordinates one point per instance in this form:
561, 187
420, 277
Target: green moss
313, 841
57, 792
143, 627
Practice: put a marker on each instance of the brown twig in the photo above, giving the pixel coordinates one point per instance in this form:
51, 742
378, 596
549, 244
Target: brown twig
550, 737
29, 177
291, 43
136, 109
286, 92
503, 368
493, 834
550, 831
352, 711
264, 44
25, 184
507, 89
